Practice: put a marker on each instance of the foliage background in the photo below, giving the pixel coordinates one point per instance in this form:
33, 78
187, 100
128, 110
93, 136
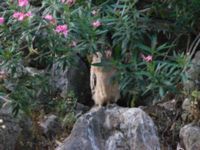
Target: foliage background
167, 30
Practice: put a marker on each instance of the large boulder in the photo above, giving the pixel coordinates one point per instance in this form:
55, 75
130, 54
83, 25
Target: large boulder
190, 137
80, 109
9, 132
73, 79
113, 128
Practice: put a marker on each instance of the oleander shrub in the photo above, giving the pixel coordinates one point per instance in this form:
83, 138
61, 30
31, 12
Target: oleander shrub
149, 40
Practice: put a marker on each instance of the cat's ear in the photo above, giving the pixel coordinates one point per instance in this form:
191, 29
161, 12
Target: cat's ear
108, 53
97, 55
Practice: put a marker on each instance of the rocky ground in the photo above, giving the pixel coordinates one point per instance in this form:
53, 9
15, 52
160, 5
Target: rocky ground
166, 125
110, 127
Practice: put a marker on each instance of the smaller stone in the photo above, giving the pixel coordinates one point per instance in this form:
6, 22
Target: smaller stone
3, 126
1, 120
179, 147
169, 105
50, 126
190, 137
193, 73
80, 109
184, 116
33, 71
186, 105
9, 132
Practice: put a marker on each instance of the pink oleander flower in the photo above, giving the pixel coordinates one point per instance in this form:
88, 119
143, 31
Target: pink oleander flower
50, 18
62, 29
96, 24
147, 58
2, 20
28, 14
20, 16
23, 3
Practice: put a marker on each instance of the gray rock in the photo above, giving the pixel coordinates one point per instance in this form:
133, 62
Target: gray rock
169, 105
113, 128
17, 71
187, 110
33, 71
51, 126
25, 140
186, 105
73, 79
9, 132
190, 137
6, 109
80, 109
193, 74
179, 147
22, 125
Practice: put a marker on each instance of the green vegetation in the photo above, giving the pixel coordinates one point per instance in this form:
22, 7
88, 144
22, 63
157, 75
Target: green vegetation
151, 43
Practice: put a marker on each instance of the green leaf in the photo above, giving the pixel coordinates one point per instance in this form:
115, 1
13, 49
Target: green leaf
161, 91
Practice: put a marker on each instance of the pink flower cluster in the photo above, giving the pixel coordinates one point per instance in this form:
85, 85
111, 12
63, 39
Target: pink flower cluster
20, 16
69, 2
2, 20
50, 18
147, 58
63, 29
23, 3
96, 24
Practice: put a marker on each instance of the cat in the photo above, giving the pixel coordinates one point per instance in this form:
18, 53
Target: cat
104, 89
